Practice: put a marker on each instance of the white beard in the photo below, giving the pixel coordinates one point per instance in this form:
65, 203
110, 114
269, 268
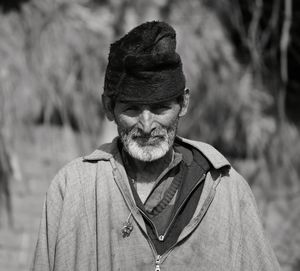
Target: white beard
148, 148
147, 153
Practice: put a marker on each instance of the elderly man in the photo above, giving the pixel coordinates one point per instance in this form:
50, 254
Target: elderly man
150, 200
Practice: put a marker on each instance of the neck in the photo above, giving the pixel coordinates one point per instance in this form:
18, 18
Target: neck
148, 171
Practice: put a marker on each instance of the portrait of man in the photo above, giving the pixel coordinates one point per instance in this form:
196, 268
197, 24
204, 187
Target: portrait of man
150, 199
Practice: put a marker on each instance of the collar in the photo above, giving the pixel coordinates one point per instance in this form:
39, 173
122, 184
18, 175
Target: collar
175, 159
210, 153
109, 150
104, 152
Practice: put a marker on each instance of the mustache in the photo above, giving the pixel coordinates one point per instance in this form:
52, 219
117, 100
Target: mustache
139, 133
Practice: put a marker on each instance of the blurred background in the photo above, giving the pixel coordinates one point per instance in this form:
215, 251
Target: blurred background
241, 59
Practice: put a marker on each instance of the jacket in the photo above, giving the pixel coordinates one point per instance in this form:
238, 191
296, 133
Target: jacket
89, 201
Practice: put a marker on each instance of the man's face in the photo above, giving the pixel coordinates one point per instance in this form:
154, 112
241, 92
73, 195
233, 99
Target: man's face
147, 131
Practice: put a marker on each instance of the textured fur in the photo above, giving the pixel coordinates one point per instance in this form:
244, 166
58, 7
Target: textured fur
144, 67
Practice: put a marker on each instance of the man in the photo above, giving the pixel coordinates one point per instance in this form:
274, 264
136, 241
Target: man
150, 200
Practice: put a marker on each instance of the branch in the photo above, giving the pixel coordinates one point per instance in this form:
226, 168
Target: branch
284, 44
254, 46
272, 25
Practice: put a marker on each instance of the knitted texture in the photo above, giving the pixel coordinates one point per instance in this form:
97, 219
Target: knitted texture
143, 66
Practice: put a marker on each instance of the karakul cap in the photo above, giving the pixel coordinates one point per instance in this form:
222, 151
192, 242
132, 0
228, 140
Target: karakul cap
143, 66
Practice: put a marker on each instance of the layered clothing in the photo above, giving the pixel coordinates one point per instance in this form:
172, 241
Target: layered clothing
90, 201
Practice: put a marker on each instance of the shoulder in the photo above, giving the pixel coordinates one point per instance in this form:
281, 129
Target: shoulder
237, 182
231, 179
217, 159
87, 163
67, 176
81, 171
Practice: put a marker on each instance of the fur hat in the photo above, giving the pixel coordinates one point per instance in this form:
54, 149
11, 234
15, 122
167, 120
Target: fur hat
143, 66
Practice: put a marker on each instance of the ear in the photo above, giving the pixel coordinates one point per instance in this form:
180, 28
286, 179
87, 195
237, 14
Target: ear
108, 107
185, 102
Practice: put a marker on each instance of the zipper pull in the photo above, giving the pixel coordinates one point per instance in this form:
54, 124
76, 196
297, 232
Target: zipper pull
157, 263
161, 238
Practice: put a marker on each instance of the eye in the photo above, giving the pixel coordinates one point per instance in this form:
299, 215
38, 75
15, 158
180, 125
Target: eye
160, 108
132, 108
129, 109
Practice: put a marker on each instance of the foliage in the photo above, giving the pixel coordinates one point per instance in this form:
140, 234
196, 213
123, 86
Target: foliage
5, 176
55, 62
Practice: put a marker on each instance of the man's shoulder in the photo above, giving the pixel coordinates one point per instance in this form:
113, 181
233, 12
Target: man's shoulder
232, 179
210, 153
105, 152
84, 166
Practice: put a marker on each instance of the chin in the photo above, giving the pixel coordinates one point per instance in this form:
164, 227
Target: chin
148, 149
147, 153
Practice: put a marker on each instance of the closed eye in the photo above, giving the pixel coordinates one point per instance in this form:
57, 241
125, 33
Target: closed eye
160, 108
132, 108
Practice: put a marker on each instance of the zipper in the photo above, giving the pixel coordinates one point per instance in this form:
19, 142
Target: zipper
157, 257
162, 237
149, 220
157, 263
206, 203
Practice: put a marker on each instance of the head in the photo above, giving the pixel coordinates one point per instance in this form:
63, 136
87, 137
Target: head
144, 90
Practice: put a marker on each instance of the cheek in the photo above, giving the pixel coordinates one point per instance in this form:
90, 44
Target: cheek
169, 119
126, 122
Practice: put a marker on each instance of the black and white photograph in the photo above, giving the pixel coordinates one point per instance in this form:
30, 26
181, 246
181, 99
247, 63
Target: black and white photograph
157, 135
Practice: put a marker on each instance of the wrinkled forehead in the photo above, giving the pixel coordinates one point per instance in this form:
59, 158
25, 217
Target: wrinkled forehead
154, 105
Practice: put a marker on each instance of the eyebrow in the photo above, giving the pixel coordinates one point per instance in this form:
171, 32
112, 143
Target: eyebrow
151, 104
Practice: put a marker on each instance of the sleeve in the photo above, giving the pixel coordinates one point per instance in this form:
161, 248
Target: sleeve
255, 251
44, 255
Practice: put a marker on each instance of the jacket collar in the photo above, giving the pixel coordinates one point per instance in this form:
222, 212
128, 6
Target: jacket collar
107, 151
104, 152
211, 154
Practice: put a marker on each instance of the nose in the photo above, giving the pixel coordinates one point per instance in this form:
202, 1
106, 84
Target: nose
146, 121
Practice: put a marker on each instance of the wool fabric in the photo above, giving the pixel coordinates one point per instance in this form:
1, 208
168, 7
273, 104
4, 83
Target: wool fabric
144, 67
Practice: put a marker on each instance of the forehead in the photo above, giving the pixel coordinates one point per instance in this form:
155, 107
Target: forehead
158, 104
